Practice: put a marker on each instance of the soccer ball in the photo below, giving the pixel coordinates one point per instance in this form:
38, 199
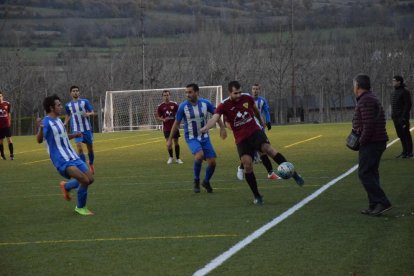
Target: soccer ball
285, 170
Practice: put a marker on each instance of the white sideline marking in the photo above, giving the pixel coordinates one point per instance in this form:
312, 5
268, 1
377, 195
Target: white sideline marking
216, 262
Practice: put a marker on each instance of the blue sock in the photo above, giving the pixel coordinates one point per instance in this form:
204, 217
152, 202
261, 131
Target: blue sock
91, 156
209, 173
71, 184
82, 196
197, 169
82, 156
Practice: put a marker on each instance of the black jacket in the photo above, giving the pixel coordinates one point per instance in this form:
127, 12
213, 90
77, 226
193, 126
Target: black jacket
400, 103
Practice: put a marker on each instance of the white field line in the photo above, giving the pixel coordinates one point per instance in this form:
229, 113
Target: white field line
216, 262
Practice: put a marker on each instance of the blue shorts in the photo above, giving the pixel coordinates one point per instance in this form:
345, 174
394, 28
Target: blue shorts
76, 163
204, 145
87, 138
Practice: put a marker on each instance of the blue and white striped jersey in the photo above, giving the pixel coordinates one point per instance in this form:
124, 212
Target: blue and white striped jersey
76, 111
195, 117
263, 107
57, 142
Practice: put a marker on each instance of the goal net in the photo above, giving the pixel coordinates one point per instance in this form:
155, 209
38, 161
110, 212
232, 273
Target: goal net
129, 110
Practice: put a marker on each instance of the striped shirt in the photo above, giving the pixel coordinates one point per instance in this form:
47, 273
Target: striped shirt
263, 107
57, 142
195, 117
76, 111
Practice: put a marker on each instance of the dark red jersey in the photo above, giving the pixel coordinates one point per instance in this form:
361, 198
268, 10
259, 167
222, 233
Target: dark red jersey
167, 111
5, 109
240, 116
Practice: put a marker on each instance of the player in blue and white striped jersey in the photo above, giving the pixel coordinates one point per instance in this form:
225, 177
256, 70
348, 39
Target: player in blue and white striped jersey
194, 112
62, 154
78, 112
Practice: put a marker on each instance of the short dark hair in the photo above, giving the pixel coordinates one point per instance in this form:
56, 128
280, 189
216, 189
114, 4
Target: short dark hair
72, 87
166, 91
49, 102
363, 81
194, 86
399, 78
234, 84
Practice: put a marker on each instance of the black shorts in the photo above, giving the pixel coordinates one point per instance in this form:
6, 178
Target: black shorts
176, 135
252, 143
5, 132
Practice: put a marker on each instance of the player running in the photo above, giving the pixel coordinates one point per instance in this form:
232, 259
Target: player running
194, 113
240, 110
78, 112
62, 154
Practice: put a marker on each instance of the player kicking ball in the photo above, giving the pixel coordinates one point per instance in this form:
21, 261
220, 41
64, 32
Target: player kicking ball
62, 154
240, 111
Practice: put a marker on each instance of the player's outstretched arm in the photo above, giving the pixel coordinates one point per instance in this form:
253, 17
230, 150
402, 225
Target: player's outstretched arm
39, 134
212, 122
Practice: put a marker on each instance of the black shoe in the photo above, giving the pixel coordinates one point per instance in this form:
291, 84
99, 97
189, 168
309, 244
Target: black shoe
11, 157
402, 154
207, 186
380, 208
258, 200
408, 155
196, 187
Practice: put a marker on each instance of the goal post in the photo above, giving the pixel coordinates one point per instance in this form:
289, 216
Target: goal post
129, 110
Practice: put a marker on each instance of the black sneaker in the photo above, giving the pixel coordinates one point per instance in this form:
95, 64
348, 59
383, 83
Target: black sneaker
12, 157
196, 187
379, 209
408, 155
258, 200
367, 211
207, 186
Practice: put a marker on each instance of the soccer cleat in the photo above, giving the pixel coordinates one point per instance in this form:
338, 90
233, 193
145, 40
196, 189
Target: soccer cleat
196, 187
11, 157
407, 155
299, 179
84, 211
3, 157
258, 200
66, 194
240, 174
170, 160
179, 161
92, 168
273, 176
207, 186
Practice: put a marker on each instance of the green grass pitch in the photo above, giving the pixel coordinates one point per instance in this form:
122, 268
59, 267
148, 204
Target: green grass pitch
149, 222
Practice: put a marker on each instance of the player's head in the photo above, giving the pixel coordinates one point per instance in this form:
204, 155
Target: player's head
52, 104
234, 89
255, 90
191, 91
361, 83
166, 95
398, 81
74, 91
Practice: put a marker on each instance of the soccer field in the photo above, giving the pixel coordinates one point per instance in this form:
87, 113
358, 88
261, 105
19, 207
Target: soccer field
149, 222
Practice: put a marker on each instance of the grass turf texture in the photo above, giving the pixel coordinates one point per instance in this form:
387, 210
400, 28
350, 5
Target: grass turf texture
148, 220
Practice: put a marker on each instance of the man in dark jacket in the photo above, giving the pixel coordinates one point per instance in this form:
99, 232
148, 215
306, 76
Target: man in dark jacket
369, 121
400, 114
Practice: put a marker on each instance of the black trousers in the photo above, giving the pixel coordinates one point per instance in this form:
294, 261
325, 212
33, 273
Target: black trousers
405, 136
368, 172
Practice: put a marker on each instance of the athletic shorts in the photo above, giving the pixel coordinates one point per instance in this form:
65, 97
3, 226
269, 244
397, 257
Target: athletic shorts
176, 135
252, 144
205, 145
77, 163
87, 138
5, 132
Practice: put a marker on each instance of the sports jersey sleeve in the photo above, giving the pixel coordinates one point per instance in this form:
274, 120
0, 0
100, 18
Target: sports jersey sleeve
180, 112
46, 128
88, 106
219, 110
210, 107
67, 109
159, 111
266, 111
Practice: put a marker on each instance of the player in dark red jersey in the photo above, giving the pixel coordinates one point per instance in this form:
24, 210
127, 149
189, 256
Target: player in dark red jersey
166, 113
5, 124
240, 110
